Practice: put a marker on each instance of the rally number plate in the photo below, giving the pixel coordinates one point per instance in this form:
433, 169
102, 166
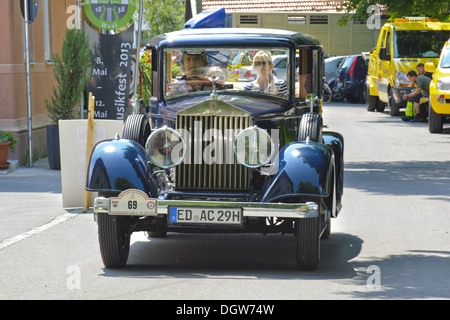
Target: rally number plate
133, 202
205, 216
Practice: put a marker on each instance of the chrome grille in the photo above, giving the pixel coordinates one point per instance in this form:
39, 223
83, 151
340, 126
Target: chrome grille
220, 171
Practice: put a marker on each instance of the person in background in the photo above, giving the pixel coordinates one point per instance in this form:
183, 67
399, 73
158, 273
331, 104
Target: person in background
423, 88
421, 71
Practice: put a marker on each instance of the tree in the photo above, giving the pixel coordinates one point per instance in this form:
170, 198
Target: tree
163, 16
395, 9
71, 70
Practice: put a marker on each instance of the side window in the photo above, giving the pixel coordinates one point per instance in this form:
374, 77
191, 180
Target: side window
388, 44
307, 72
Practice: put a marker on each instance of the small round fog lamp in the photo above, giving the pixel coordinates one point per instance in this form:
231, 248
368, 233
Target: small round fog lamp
254, 147
165, 148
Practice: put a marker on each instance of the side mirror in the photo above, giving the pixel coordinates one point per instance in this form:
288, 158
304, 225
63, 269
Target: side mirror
383, 54
429, 67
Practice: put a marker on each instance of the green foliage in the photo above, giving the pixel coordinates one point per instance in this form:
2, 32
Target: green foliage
71, 71
6, 136
395, 9
145, 64
163, 16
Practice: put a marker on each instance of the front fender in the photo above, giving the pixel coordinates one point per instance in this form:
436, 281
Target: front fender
117, 165
304, 169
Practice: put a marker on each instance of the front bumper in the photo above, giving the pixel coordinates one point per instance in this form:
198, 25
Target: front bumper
250, 209
398, 92
440, 101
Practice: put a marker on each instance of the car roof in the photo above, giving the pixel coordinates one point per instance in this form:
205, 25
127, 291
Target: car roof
227, 37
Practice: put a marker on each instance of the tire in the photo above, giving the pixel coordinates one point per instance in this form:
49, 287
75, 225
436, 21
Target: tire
394, 109
362, 94
114, 238
371, 101
380, 105
435, 123
311, 126
136, 128
307, 234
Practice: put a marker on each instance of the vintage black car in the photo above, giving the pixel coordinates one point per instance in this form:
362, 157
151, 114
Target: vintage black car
221, 156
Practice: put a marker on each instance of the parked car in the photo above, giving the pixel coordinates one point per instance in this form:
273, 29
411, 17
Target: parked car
280, 64
222, 156
331, 66
351, 77
240, 66
439, 99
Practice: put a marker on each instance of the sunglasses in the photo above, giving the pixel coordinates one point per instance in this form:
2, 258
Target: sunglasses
259, 63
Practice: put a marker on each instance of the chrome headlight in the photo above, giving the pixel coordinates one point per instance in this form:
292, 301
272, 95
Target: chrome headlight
254, 147
402, 78
165, 148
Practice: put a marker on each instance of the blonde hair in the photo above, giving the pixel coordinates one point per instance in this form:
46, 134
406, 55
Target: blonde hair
265, 55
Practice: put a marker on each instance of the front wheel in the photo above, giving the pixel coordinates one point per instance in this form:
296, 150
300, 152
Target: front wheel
434, 120
394, 108
114, 239
307, 234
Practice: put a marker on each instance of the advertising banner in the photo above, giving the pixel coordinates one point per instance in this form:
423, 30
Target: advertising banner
111, 73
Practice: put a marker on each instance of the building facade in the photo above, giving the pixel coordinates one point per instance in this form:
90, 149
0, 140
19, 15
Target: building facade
46, 35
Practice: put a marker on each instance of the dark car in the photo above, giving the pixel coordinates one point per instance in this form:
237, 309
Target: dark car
351, 77
222, 157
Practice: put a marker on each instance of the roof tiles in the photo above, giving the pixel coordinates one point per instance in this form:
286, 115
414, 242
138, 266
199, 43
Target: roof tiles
274, 5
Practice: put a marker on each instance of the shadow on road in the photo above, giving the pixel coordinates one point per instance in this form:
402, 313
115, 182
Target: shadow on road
416, 275
419, 178
236, 256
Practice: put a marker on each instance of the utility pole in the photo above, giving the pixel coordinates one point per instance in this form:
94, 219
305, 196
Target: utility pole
27, 63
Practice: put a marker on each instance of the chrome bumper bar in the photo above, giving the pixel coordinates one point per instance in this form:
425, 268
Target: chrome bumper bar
250, 209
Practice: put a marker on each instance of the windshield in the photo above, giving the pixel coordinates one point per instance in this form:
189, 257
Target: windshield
188, 71
420, 43
445, 60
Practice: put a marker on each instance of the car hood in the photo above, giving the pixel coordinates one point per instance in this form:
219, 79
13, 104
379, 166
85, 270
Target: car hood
253, 106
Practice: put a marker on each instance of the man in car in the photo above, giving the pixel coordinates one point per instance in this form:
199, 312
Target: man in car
194, 66
423, 89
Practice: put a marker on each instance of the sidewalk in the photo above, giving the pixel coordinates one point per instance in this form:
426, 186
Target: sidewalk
39, 178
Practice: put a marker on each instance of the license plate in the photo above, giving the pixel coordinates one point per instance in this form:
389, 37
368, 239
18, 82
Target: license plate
133, 202
340, 84
216, 216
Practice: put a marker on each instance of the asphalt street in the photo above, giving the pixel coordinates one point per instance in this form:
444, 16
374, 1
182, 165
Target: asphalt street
390, 241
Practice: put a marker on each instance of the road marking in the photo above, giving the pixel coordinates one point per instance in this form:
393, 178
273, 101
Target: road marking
8, 242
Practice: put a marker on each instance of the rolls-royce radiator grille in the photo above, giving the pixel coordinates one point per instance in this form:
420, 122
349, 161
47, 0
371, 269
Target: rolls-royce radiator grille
210, 162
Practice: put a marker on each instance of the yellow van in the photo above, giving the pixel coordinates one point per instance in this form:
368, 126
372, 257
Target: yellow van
439, 103
401, 46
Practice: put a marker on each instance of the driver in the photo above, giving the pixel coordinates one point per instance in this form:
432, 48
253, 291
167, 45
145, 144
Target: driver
194, 66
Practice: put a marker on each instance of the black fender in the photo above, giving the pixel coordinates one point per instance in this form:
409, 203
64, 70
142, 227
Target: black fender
304, 170
117, 165
335, 141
